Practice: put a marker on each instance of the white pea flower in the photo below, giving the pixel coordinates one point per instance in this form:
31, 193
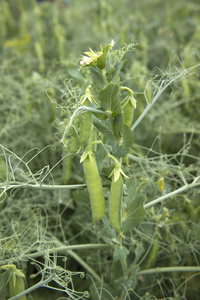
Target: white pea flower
91, 56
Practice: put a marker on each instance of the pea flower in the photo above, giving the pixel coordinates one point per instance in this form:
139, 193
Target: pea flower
91, 56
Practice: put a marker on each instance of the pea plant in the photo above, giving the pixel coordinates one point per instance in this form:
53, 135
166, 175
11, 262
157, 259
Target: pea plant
106, 197
99, 130
100, 124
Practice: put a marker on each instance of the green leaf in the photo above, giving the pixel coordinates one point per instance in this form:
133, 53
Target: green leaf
107, 170
110, 231
120, 143
139, 251
75, 73
101, 60
122, 148
131, 280
104, 57
105, 127
3, 294
97, 77
119, 123
135, 203
115, 76
80, 196
135, 213
120, 253
131, 186
109, 99
4, 278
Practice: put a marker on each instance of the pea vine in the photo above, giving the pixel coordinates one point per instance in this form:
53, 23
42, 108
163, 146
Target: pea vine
96, 133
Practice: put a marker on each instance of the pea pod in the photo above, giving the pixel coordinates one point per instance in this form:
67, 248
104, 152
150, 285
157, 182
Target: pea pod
67, 163
16, 281
128, 106
74, 144
94, 186
16, 287
115, 203
72, 147
85, 127
154, 250
128, 114
86, 123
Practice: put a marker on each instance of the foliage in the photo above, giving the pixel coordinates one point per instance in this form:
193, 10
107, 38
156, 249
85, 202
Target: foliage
128, 110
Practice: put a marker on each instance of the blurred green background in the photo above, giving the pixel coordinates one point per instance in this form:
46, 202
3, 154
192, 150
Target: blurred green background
41, 44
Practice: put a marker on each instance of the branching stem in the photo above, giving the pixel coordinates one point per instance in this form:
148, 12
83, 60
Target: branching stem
158, 94
180, 190
169, 269
40, 284
66, 248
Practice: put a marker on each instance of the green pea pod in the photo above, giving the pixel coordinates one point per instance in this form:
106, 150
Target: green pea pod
128, 113
115, 203
85, 127
16, 282
94, 186
154, 251
67, 162
74, 144
17, 288
128, 106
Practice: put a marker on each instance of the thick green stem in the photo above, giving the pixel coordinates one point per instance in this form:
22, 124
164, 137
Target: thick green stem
103, 72
159, 93
33, 288
17, 185
59, 249
85, 265
64, 249
180, 190
168, 270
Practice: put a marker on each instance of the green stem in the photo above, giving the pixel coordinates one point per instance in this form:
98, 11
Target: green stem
77, 112
65, 248
180, 190
159, 93
16, 185
169, 269
34, 287
96, 111
85, 265
103, 72
69, 250
27, 256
